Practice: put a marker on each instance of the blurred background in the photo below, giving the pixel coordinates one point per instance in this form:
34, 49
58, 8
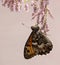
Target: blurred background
13, 36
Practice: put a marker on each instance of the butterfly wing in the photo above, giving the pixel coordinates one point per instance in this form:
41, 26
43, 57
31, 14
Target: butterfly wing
44, 44
30, 50
37, 44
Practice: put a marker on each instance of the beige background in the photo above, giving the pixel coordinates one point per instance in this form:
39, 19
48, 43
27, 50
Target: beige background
13, 36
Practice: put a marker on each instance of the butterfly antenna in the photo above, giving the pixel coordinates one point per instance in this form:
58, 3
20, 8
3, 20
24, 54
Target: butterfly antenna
25, 25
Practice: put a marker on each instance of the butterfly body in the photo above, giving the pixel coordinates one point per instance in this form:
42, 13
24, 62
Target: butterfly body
37, 44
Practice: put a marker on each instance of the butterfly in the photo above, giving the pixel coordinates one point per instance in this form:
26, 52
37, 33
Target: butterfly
37, 44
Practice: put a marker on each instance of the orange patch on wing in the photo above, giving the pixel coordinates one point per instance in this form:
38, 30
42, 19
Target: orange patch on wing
31, 50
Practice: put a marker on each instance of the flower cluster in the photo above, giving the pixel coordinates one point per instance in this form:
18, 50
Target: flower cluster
40, 10
15, 4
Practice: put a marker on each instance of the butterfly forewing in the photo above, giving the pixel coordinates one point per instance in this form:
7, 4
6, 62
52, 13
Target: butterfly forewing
28, 49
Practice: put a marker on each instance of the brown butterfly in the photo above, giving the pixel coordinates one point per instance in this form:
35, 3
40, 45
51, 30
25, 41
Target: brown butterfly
37, 44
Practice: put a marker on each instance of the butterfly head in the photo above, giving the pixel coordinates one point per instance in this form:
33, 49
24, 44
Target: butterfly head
35, 28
